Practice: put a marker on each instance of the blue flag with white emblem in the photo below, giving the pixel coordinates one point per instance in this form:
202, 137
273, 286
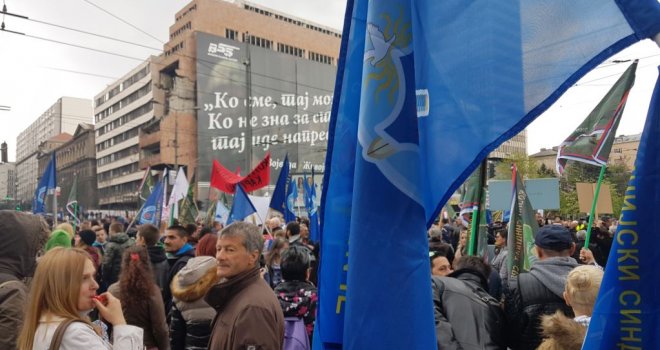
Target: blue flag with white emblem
627, 310
310, 206
278, 200
150, 213
290, 203
424, 91
48, 182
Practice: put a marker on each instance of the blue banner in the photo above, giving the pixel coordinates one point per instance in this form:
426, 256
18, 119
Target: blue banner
627, 311
48, 182
310, 206
150, 213
441, 84
242, 206
278, 200
290, 203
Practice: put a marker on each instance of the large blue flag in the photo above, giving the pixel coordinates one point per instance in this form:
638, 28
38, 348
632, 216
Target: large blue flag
441, 84
48, 182
278, 200
627, 311
310, 206
242, 206
151, 210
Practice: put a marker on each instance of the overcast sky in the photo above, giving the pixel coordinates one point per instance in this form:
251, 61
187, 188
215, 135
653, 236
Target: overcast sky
35, 73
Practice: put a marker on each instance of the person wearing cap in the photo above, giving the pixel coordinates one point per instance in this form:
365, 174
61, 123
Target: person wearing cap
540, 291
248, 313
85, 241
190, 327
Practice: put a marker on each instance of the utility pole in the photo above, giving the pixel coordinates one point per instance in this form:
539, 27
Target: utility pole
248, 92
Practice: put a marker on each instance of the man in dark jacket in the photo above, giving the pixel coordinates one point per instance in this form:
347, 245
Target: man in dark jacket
148, 237
23, 237
249, 315
540, 291
114, 250
179, 251
466, 316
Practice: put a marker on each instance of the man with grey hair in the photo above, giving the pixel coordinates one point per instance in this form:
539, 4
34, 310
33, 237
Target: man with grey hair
248, 313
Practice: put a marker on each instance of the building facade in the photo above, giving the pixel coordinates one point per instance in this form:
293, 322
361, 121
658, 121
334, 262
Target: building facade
510, 147
62, 117
8, 181
119, 112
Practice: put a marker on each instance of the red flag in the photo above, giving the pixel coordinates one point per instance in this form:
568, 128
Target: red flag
225, 180
259, 177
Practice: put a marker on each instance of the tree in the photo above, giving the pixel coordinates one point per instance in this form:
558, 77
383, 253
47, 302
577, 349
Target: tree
527, 167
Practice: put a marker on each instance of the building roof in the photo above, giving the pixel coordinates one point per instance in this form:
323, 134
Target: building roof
628, 138
63, 137
82, 127
545, 152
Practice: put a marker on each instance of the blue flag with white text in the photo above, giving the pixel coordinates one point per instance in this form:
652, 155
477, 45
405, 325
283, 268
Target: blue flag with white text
242, 207
290, 203
48, 182
441, 84
627, 310
150, 213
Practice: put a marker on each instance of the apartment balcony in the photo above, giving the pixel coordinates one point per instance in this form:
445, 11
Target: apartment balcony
149, 160
149, 139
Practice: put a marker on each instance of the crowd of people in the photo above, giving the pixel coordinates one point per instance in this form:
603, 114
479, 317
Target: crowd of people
106, 285
479, 304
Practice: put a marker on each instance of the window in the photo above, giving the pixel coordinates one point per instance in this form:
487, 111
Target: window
231, 34
257, 41
290, 50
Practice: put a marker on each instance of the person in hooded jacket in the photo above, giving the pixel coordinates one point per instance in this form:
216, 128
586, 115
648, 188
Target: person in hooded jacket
148, 237
297, 296
190, 327
466, 316
540, 291
114, 250
23, 238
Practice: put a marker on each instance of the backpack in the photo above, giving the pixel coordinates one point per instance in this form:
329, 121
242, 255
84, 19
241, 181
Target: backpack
295, 334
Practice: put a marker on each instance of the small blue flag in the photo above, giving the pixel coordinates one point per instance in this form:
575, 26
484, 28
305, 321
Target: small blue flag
242, 207
627, 310
278, 200
310, 205
47, 183
150, 213
290, 204
221, 213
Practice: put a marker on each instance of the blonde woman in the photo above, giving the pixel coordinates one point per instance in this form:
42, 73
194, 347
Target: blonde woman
561, 332
63, 290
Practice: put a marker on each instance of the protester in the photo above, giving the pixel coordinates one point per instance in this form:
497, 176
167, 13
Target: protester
148, 237
462, 247
190, 327
66, 227
206, 245
441, 260
499, 263
297, 296
63, 291
293, 231
114, 250
540, 291
84, 240
563, 333
179, 251
273, 273
59, 238
23, 237
466, 316
101, 238
248, 313
142, 302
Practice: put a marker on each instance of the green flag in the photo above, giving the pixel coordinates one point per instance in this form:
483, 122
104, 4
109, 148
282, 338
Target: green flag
210, 213
469, 196
187, 208
522, 229
146, 186
592, 141
72, 202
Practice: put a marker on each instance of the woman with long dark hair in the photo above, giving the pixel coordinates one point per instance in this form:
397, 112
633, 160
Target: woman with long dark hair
273, 274
142, 302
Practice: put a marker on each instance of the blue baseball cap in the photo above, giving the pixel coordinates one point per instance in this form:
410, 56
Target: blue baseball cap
553, 237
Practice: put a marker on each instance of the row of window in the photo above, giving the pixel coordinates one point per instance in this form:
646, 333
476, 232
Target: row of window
141, 92
183, 28
118, 139
321, 58
117, 155
189, 10
290, 50
126, 118
125, 188
257, 41
121, 171
174, 49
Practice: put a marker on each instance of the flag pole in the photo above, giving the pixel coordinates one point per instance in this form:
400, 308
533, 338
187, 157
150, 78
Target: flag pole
593, 205
474, 228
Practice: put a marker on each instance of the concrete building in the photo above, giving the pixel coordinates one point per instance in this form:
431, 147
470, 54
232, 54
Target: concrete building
515, 145
8, 181
119, 111
63, 116
171, 138
547, 157
74, 155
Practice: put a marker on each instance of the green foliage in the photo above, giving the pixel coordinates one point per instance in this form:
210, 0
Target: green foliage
568, 203
527, 167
